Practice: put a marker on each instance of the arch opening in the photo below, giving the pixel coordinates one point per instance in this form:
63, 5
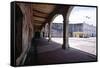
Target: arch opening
18, 30
57, 29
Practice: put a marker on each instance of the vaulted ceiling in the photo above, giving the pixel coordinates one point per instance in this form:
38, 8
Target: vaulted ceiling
41, 13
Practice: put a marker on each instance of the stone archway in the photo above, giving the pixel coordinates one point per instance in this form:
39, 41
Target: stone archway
65, 12
18, 29
50, 26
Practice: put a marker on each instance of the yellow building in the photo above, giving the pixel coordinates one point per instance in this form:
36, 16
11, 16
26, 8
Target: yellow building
80, 34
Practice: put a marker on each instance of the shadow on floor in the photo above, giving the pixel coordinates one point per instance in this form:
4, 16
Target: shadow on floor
43, 52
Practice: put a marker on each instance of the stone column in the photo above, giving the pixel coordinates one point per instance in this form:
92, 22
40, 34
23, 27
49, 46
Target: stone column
49, 32
65, 33
43, 31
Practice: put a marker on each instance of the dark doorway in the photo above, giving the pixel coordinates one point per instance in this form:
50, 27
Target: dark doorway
37, 34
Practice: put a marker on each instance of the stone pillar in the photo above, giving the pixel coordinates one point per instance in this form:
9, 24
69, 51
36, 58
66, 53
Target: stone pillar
49, 32
43, 31
65, 33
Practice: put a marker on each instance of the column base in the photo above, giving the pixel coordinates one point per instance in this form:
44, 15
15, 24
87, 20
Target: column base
49, 40
65, 46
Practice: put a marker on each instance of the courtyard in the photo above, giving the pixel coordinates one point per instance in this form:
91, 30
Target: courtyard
84, 44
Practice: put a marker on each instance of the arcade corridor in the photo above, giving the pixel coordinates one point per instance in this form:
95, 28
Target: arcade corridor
31, 47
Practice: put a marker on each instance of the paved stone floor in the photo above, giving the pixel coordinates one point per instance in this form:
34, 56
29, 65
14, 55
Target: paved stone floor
44, 52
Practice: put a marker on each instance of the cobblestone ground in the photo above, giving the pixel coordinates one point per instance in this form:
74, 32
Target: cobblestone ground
84, 44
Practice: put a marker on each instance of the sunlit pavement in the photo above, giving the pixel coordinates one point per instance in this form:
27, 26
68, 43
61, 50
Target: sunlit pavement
84, 44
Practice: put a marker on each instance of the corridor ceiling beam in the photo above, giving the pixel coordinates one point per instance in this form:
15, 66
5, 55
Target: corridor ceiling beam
39, 11
39, 16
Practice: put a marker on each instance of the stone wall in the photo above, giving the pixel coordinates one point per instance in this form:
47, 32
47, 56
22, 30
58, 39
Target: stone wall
27, 31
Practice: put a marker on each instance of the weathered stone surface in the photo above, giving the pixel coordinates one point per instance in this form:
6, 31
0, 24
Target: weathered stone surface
27, 29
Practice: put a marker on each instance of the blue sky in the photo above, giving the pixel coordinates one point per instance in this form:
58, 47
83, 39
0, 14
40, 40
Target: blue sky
80, 15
